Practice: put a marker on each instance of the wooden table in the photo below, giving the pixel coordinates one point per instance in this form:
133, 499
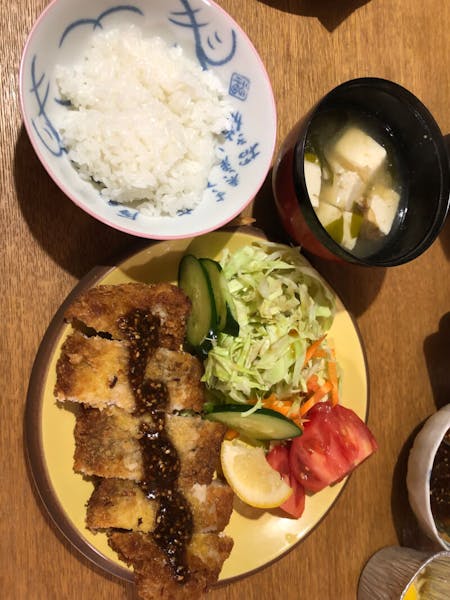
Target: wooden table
48, 244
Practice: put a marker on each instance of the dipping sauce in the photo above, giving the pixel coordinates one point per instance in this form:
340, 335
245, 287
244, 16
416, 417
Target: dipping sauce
354, 179
440, 488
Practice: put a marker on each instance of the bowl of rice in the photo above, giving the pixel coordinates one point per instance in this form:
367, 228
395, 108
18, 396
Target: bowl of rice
155, 117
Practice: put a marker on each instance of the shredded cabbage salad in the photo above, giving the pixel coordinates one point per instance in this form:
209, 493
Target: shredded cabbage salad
282, 307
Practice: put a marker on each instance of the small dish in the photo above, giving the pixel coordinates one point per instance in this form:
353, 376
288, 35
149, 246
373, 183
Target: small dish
420, 464
208, 36
401, 573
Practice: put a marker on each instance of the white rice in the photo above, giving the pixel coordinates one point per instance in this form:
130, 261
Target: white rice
145, 120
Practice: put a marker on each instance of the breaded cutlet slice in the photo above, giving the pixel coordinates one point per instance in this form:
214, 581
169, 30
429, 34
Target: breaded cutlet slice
121, 504
181, 373
197, 442
100, 308
211, 505
107, 445
94, 371
206, 554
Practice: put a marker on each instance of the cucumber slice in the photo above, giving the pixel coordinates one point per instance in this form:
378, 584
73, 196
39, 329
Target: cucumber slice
194, 281
226, 309
214, 271
262, 424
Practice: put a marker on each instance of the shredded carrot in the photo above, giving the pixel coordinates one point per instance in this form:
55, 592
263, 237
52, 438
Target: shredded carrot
284, 407
270, 399
313, 348
332, 374
280, 406
316, 397
231, 434
290, 406
312, 385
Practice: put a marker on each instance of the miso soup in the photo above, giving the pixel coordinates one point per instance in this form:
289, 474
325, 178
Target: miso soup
354, 178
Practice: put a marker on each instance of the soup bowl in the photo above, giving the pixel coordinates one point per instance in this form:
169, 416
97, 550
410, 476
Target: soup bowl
417, 143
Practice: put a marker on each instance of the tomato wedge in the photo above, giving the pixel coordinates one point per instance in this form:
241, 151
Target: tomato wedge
278, 458
334, 441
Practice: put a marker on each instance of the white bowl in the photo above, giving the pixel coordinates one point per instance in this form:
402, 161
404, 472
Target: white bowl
207, 34
420, 463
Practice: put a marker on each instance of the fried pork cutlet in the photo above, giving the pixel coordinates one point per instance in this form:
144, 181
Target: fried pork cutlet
107, 445
121, 504
155, 497
100, 308
206, 554
94, 371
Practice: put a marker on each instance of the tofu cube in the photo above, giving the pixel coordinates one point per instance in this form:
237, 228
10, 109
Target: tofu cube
339, 224
313, 179
346, 190
327, 213
357, 151
382, 206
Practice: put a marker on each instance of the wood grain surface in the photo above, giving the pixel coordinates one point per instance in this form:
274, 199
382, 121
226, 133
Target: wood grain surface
48, 244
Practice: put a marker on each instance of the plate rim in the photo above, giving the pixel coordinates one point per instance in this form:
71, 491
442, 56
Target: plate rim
33, 439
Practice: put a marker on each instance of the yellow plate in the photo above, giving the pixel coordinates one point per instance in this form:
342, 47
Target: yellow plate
259, 536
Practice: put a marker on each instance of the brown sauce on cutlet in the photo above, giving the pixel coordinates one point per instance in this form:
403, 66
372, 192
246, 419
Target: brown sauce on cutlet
161, 464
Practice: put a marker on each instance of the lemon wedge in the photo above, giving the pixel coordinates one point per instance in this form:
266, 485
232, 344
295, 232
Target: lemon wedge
250, 476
